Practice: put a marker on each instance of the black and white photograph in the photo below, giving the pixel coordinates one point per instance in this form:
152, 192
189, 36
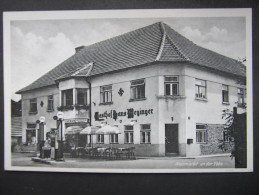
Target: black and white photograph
128, 91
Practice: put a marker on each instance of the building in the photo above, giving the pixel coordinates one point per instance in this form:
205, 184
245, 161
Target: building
164, 92
16, 123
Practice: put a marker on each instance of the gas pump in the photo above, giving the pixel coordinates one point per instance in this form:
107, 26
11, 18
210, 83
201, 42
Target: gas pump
41, 137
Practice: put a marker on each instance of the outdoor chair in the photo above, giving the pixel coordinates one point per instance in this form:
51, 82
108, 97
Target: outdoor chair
87, 152
118, 154
73, 153
80, 152
131, 153
107, 153
94, 153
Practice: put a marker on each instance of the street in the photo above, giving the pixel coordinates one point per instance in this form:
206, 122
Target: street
224, 161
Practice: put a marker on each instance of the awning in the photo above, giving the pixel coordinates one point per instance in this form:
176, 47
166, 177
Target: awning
90, 130
30, 129
107, 129
73, 130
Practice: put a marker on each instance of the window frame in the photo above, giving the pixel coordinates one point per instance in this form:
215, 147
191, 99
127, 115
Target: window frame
171, 83
241, 96
129, 133
114, 138
89, 139
135, 87
50, 102
225, 92
103, 94
226, 137
64, 97
85, 93
100, 139
200, 86
204, 133
146, 133
33, 101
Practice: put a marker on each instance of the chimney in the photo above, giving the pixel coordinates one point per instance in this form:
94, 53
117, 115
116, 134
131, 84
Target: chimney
79, 48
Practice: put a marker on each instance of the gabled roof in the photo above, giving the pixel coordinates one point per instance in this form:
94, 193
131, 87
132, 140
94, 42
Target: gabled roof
156, 42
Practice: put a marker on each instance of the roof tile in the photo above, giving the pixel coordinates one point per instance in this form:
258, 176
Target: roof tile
135, 48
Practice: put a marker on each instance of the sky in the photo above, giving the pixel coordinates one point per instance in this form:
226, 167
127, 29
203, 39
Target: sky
37, 46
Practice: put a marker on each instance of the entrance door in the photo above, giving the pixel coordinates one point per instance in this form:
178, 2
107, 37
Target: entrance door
30, 137
171, 138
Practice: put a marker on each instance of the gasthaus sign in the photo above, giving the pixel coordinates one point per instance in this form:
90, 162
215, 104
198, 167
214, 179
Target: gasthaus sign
130, 113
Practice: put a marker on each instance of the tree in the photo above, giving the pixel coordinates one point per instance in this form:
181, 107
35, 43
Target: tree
235, 127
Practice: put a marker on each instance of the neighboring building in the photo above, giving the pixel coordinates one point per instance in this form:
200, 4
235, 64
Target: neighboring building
16, 122
164, 92
16, 132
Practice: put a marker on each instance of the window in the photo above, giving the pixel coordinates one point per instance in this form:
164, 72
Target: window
106, 94
145, 131
200, 89
225, 93
33, 105
241, 96
171, 85
129, 134
31, 125
137, 89
100, 139
67, 97
89, 139
81, 96
114, 138
50, 103
201, 133
225, 136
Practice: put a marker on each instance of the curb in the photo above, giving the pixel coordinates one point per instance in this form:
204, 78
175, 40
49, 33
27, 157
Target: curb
45, 161
184, 157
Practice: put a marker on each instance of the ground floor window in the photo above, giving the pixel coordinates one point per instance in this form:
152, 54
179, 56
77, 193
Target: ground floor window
89, 139
31, 133
201, 133
129, 134
114, 138
100, 139
145, 131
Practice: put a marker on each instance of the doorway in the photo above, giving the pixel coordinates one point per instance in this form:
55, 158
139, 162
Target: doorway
171, 139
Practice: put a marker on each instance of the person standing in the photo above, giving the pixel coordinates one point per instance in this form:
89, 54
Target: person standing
52, 145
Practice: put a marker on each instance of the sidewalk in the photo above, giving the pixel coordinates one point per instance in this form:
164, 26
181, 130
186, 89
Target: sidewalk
207, 162
67, 158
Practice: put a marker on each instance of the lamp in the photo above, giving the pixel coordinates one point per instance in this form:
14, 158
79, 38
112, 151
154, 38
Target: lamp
103, 123
60, 117
41, 135
132, 122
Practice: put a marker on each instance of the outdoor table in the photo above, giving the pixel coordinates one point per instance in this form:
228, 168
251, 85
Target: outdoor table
93, 152
118, 152
101, 151
80, 151
128, 153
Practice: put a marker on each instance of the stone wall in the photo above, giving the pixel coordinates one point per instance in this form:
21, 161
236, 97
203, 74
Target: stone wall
215, 138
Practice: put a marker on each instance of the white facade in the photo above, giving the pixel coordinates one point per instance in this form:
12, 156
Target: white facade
156, 109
